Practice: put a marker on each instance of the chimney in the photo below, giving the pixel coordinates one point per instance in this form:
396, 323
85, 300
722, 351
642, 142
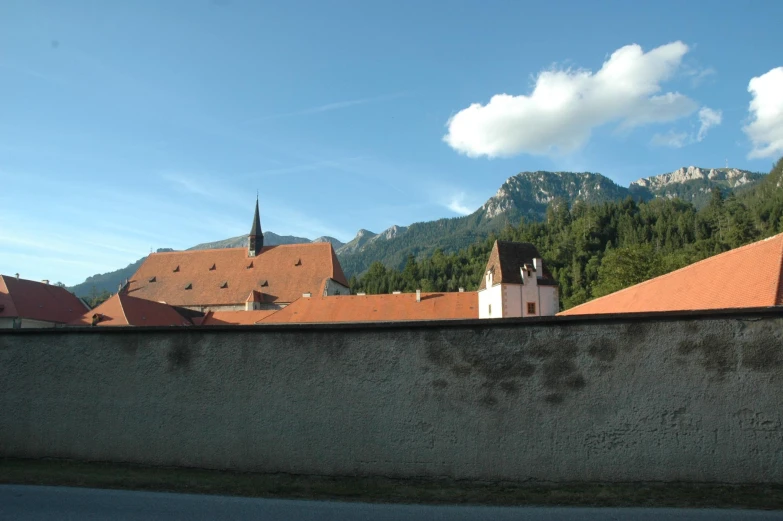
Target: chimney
45, 281
307, 295
462, 290
538, 264
17, 276
418, 295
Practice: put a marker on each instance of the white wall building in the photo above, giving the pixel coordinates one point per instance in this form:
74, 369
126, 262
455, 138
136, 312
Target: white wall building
516, 283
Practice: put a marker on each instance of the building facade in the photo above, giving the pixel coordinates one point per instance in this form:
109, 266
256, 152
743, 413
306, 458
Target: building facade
517, 284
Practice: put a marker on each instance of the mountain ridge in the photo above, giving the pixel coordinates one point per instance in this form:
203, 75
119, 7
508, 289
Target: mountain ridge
523, 195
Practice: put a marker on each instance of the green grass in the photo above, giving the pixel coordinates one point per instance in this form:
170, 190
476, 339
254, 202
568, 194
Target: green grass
198, 481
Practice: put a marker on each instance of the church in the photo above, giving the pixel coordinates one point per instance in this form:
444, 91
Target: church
257, 277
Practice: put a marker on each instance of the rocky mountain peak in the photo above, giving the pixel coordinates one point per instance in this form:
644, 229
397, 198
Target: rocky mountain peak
731, 177
531, 192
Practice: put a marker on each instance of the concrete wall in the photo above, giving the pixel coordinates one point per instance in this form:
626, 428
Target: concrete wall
554, 399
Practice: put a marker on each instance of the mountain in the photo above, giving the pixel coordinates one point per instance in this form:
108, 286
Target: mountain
108, 281
336, 243
528, 194
524, 195
270, 239
357, 243
694, 184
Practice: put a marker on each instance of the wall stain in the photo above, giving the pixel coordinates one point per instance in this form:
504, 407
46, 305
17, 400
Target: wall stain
764, 353
605, 352
554, 399
179, 357
509, 387
717, 354
440, 383
488, 400
638, 332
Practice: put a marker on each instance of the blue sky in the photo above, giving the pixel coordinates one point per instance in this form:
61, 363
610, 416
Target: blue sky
127, 126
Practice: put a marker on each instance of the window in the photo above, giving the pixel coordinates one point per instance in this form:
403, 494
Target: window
531, 308
490, 309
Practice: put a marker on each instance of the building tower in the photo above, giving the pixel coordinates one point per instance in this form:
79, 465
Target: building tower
255, 241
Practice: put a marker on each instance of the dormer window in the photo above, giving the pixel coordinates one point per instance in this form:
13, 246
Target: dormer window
298, 262
152, 279
263, 283
224, 285
189, 286
176, 270
249, 266
213, 268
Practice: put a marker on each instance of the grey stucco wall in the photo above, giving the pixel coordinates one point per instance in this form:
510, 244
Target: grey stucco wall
665, 399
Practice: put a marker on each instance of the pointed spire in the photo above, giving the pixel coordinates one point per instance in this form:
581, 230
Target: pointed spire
256, 228
255, 240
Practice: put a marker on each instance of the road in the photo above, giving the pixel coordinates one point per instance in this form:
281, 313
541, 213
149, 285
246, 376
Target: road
32, 503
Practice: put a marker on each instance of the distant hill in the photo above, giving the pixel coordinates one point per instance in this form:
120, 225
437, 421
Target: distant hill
526, 194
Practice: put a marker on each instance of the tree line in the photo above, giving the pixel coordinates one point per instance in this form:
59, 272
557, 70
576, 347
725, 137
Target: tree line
596, 249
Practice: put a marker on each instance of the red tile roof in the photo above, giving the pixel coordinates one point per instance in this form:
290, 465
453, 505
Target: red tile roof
506, 259
236, 318
124, 310
378, 308
749, 276
227, 276
21, 298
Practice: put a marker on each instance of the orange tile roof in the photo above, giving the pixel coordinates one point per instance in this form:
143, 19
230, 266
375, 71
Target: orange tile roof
236, 318
378, 308
227, 276
22, 298
749, 276
124, 310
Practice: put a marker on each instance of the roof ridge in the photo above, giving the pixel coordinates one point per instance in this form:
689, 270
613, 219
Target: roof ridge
725, 253
780, 278
10, 294
122, 307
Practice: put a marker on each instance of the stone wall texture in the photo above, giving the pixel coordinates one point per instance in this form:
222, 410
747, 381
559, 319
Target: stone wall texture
668, 398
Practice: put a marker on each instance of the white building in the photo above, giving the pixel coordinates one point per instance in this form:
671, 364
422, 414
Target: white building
517, 284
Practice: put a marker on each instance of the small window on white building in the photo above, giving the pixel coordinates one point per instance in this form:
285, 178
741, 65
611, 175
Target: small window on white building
531, 308
490, 309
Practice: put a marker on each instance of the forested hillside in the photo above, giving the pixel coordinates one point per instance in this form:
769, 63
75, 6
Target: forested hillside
593, 250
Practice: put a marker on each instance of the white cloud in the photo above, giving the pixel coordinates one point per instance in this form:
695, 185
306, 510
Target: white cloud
566, 105
671, 139
708, 119
766, 110
457, 205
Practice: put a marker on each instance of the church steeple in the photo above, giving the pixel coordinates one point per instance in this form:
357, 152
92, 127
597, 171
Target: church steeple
255, 240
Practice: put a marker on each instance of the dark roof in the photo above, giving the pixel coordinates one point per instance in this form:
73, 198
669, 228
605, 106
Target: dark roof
507, 258
21, 298
256, 228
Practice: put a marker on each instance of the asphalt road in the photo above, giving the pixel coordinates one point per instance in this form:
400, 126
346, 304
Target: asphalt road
28, 503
